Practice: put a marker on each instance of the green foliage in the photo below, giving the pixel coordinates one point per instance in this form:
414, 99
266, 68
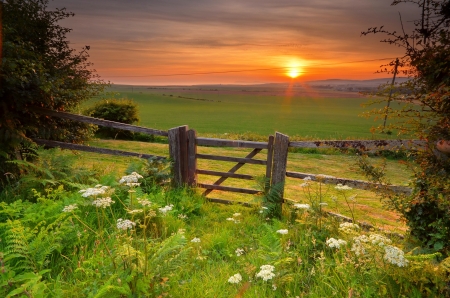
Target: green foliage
421, 108
117, 110
270, 198
39, 69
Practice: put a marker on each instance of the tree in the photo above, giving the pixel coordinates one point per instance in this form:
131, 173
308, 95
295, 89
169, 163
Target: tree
424, 112
39, 69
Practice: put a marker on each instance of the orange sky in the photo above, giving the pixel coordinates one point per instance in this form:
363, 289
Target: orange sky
150, 42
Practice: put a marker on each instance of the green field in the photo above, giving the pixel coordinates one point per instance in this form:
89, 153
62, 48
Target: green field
262, 110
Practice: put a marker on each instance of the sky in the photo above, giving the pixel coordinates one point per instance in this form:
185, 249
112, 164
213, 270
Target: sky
183, 42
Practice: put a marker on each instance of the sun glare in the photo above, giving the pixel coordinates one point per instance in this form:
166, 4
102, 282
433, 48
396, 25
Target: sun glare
293, 73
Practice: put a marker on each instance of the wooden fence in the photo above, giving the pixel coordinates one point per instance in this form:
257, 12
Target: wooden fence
183, 143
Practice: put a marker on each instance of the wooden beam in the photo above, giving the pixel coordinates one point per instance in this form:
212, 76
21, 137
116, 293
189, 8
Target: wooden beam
359, 184
226, 174
93, 149
363, 145
229, 202
192, 157
230, 143
233, 159
269, 159
233, 170
178, 154
229, 188
280, 153
100, 122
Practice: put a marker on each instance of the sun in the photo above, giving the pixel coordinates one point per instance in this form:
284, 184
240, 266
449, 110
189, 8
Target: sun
294, 72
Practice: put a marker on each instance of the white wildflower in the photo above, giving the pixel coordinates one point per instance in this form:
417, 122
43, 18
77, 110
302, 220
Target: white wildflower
339, 186
196, 240
302, 206
348, 227
323, 204
182, 216
282, 232
165, 209
144, 202
379, 240
236, 214
266, 272
336, 243
230, 219
307, 178
131, 180
235, 279
358, 245
103, 202
95, 191
125, 224
239, 252
70, 208
303, 185
274, 287
395, 255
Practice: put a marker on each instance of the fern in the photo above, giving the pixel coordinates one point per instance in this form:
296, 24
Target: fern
170, 255
270, 243
271, 197
109, 290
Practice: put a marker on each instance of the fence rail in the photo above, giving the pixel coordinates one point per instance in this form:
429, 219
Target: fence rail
183, 143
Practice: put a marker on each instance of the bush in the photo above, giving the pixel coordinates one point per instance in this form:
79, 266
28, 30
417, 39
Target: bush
117, 110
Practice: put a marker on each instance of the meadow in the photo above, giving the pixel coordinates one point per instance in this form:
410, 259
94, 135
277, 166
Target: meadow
293, 110
80, 224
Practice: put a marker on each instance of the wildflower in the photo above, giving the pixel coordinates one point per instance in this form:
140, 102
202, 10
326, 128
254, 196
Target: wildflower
70, 208
239, 252
348, 227
282, 232
103, 202
230, 219
307, 178
144, 202
135, 211
125, 224
266, 272
395, 255
303, 185
196, 240
302, 206
131, 180
235, 279
274, 287
358, 247
323, 204
236, 214
335, 243
182, 216
95, 191
379, 240
339, 186
165, 209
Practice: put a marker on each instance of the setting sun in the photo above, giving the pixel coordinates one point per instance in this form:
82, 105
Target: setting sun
293, 73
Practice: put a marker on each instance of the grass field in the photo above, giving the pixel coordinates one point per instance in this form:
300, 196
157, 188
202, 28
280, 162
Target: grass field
368, 207
295, 111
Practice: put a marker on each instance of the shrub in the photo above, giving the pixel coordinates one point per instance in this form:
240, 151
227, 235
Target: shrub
117, 110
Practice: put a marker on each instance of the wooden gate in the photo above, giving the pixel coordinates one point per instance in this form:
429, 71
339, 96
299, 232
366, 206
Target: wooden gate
183, 152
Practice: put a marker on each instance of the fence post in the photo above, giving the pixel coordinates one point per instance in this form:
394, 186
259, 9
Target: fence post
178, 153
192, 158
269, 162
280, 153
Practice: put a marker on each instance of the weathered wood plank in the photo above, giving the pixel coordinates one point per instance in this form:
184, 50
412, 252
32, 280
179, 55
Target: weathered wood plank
363, 145
100, 122
233, 159
228, 202
232, 170
226, 174
230, 143
280, 153
174, 152
269, 159
192, 159
93, 149
229, 188
359, 184
183, 130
